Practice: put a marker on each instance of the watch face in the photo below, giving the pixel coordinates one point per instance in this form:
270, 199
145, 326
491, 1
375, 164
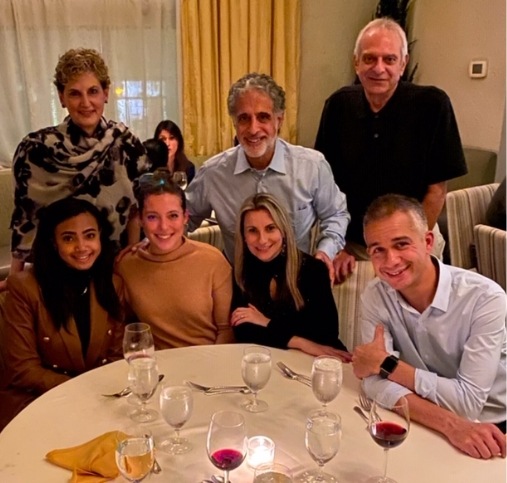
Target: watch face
388, 366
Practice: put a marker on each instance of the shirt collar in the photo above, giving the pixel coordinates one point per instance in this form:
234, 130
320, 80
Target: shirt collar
442, 294
277, 163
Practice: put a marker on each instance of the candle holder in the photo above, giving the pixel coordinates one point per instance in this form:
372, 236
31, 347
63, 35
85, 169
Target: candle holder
260, 450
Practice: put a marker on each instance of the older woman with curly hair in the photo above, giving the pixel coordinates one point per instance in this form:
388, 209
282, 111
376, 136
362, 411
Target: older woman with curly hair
85, 156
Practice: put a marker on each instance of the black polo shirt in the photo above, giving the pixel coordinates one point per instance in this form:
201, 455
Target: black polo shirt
412, 142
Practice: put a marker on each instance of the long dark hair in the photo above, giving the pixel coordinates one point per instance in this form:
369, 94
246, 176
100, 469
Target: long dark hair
52, 273
181, 162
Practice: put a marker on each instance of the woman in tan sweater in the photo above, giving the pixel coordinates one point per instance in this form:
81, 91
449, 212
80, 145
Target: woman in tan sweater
180, 287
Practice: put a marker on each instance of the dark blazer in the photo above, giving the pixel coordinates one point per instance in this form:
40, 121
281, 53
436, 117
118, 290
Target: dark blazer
37, 356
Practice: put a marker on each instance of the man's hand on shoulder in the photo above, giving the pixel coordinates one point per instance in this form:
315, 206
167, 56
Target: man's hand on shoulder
319, 255
479, 440
367, 358
344, 264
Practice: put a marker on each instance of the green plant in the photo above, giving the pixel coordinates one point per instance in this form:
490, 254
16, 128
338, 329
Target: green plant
398, 10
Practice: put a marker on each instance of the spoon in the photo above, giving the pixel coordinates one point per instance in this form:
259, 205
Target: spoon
127, 390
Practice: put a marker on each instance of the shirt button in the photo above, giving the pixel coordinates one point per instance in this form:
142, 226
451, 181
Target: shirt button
375, 135
109, 332
65, 373
55, 366
104, 361
45, 339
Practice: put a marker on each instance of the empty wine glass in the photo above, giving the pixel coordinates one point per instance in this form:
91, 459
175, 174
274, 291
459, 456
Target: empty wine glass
134, 453
176, 404
322, 439
143, 380
226, 442
327, 378
388, 428
137, 341
256, 371
180, 178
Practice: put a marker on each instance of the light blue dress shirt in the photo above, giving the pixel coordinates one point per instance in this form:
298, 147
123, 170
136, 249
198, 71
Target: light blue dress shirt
457, 345
298, 177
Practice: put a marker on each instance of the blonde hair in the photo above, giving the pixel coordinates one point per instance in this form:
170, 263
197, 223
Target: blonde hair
287, 288
78, 61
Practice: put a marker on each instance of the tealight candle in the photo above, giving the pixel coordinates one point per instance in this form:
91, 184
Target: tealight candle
261, 450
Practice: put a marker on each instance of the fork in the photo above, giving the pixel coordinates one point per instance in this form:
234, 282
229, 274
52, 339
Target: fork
366, 403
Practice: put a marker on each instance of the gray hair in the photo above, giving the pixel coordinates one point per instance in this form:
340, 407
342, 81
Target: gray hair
261, 82
386, 205
385, 23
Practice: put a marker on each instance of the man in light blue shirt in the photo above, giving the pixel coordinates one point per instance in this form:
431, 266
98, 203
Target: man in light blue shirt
446, 325
299, 177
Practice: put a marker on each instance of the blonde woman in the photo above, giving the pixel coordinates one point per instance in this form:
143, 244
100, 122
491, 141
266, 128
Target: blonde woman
282, 296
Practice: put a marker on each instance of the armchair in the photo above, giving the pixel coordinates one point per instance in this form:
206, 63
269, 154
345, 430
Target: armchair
473, 244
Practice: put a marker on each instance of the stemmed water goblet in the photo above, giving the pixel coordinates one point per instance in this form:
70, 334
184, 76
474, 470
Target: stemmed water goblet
322, 440
137, 341
256, 371
388, 427
226, 442
180, 178
143, 380
176, 404
327, 378
134, 453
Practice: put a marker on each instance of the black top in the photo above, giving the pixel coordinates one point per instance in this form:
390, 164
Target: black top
316, 321
495, 215
412, 142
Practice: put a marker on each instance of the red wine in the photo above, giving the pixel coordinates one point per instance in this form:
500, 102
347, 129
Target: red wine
227, 459
387, 434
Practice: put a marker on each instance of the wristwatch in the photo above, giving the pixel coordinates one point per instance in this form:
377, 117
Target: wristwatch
388, 366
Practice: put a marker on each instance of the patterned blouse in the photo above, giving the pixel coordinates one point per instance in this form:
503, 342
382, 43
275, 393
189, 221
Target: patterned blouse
60, 161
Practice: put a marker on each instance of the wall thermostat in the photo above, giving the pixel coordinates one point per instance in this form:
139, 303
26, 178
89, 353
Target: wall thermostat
478, 69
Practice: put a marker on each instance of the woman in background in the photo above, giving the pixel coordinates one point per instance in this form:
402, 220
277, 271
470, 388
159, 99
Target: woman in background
282, 296
62, 315
85, 156
170, 133
180, 287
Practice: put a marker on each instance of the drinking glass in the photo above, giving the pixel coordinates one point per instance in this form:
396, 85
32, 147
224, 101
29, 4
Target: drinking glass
327, 378
388, 428
322, 440
226, 442
143, 380
134, 453
272, 473
256, 371
176, 404
180, 178
137, 341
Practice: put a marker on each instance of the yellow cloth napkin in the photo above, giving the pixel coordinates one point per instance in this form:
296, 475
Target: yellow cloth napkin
91, 462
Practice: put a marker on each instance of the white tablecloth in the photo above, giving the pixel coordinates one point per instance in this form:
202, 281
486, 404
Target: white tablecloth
74, 413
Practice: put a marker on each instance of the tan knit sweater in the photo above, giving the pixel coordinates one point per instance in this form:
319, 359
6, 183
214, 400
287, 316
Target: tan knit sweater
185, 296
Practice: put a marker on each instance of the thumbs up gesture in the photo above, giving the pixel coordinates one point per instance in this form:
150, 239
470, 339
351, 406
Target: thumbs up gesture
366, 358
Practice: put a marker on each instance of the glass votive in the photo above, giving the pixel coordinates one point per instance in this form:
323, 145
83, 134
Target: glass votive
273, 473
260, 450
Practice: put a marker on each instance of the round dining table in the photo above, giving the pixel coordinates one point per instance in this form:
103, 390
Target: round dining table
75, 412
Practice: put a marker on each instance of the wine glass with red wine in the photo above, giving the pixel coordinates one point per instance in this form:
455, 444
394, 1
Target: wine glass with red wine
388, 427
227, 442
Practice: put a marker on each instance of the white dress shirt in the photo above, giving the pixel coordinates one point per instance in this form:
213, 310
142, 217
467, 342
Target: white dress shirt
457, 345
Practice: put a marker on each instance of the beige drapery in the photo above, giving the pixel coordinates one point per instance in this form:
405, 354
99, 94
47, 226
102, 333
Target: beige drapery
221, 41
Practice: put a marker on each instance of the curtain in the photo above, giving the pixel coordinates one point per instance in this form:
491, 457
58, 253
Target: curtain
221, 40
137, 39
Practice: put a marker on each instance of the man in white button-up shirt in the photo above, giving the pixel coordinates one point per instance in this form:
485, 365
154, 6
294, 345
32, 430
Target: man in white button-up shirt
446, 324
